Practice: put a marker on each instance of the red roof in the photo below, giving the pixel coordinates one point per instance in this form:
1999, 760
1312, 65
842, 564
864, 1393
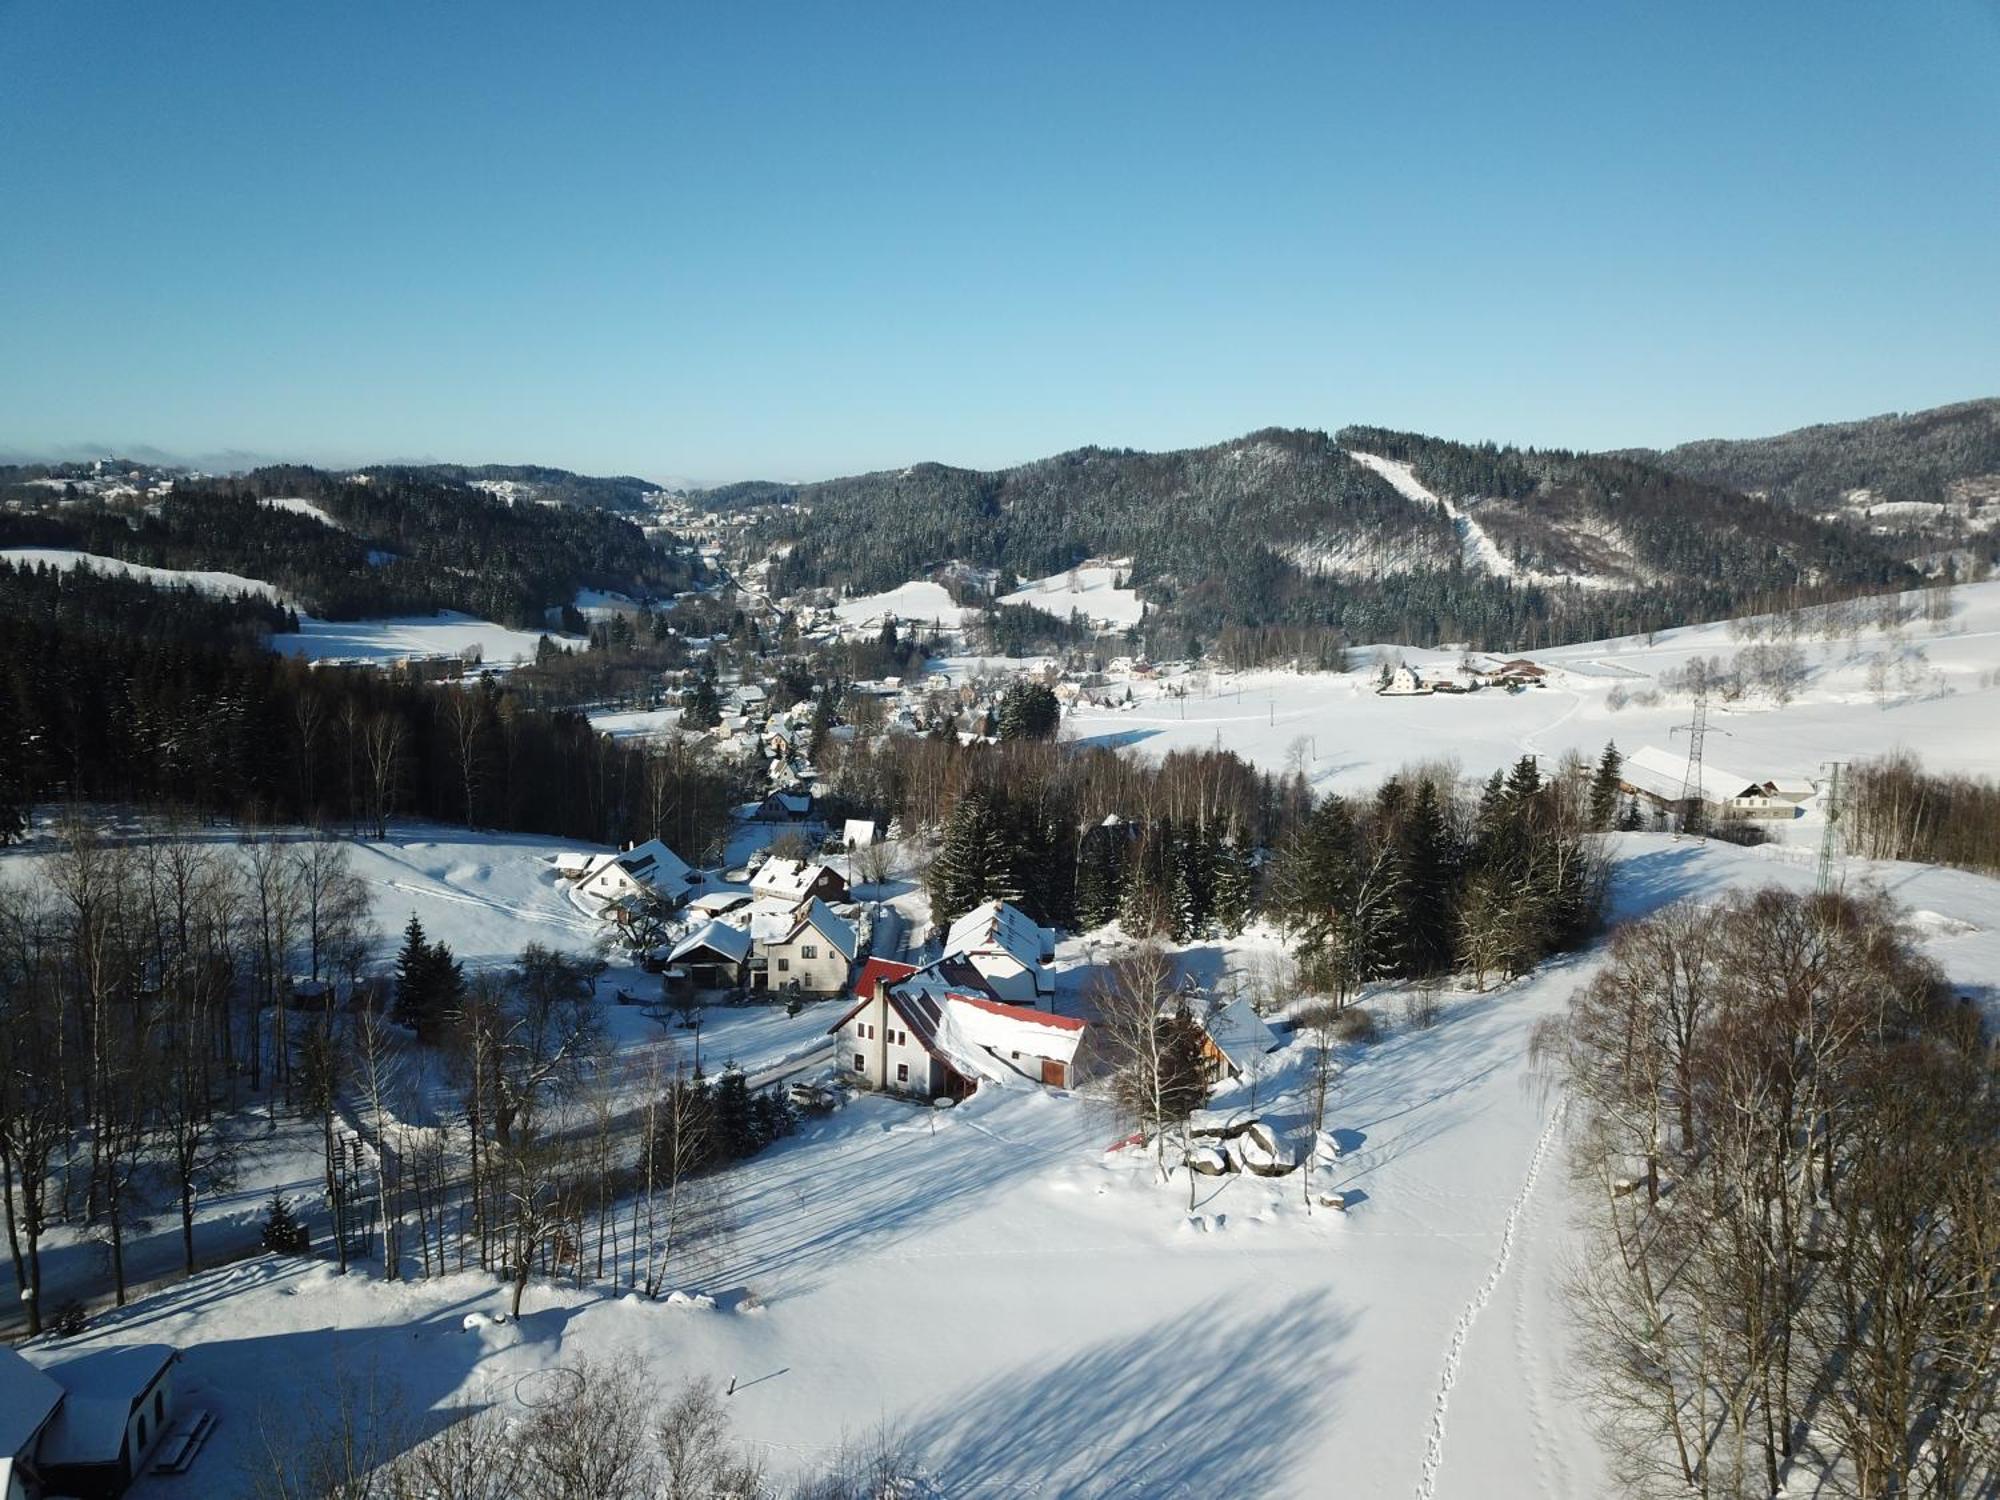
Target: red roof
880, 971
1021, 1013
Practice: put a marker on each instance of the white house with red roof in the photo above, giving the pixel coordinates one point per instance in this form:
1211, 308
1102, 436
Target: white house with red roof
940, 1031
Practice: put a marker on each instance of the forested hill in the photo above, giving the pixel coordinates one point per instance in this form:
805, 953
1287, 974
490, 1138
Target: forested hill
1922, 457
1264, 544
1927, 482
1613, 520
396, 542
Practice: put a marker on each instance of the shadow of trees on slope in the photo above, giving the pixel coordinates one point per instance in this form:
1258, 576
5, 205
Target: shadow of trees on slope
1206, 1404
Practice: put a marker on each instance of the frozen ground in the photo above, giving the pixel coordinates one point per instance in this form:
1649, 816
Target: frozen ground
1938, 695
1040, 1317
909, 604
446, 633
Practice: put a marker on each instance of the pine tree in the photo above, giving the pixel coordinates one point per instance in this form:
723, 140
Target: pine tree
416, 973
1100, 875
975, 862
282, 1230
1604, 787
1235, 885
1429, 862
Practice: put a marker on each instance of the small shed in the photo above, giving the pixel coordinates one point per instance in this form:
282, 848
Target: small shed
714, 956
1234, 1036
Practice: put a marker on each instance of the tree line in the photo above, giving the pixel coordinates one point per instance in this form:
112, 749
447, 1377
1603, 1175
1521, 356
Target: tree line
1788, 1135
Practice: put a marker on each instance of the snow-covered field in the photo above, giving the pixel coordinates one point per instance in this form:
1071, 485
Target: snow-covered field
228, 585
1037, 1315
907, 604
1939, 695
1091, 589
446, 633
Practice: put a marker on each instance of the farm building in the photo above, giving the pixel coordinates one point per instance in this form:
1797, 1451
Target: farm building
1657, 778
715, 956
1233, 1037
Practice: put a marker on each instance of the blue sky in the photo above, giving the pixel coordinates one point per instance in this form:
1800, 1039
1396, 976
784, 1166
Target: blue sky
794, 240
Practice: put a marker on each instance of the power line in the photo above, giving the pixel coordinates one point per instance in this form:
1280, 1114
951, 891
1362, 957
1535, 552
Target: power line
1830, 837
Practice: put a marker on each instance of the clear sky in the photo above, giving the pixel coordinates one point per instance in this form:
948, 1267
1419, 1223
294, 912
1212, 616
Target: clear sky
791, 240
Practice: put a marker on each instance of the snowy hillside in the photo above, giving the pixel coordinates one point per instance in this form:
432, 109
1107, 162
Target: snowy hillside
62, 559
1035, 1313
1090, 589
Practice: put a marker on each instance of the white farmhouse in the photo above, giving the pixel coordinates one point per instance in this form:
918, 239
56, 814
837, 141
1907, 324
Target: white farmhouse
1009, 951
648, 869
796, 880
815, 955
938, 1032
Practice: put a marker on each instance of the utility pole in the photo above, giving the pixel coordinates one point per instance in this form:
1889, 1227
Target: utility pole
1696, 730
1830, 837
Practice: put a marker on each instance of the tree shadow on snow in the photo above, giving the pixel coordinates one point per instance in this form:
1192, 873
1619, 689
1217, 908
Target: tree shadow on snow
1199, 1406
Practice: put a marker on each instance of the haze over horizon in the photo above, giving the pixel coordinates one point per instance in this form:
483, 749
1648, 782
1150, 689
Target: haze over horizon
796, 243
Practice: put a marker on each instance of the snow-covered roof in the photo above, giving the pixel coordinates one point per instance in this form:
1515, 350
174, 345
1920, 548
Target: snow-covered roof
27, 1397
1004, 1029
823, 920
1239, 1033
1663, 773
858, 833
576, 862
786, 879
996, 927
732, 943
718, 902
653, 863
99, 1389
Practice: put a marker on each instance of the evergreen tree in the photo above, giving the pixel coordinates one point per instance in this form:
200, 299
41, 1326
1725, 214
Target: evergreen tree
701, 705
1235, 885
1029, 711
416, 984
1604, 787
975, 862
1100, 874
1429, 860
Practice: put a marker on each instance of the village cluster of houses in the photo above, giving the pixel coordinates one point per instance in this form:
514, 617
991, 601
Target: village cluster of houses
1469, 676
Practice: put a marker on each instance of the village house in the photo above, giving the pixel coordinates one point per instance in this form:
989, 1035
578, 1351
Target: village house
84, 1425
649, 870
1009, 952
796, 880
937, 1032
815, 955
1403, 682
792, 806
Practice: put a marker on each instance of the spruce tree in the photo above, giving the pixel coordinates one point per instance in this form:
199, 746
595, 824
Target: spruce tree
1429, 861
415, 978
975, 862
1604, 787
1235, 884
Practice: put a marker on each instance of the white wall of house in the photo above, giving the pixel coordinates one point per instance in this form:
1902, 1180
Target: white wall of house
889, 1055
807, 960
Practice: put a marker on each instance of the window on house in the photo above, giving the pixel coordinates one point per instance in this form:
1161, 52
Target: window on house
860, 1063
159, 1406
808, 951
784, 964
142, 1433
902, 1072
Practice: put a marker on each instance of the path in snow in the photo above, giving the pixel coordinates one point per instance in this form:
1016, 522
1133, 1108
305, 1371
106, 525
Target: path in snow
1454, 1352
